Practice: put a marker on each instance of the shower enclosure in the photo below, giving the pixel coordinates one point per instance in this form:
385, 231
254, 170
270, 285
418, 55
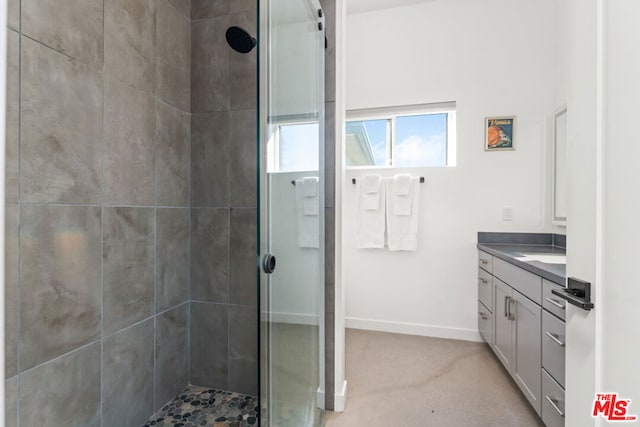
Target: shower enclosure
147, 177
292, 213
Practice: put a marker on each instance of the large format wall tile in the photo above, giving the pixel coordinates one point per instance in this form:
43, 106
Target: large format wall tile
172, 257
11, 402
242, 158
173, 159
128, 45
71, 27
59, 280
12, 148
202, 9
183, 6
242, 5
61, 128
209, 345
127, 388
13, 14
129, 145
173, 55
172, 355
209, 66
243, 74
243, 349
243, 272
64, 392
210, 255
210, 159
330, 155
128, 250
11, 271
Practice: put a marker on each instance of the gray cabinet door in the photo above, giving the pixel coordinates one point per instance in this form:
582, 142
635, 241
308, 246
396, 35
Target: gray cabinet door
527, 346
504, 330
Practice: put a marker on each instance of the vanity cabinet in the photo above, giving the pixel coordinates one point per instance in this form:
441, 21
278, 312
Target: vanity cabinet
517, 340
527, 336
553, 356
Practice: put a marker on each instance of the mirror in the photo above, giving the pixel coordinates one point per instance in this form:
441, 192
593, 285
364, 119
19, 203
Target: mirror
560, 184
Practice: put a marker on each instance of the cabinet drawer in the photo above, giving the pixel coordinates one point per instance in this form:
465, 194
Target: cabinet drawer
552, 303
485, 261
553, 341
552, 402
485, 323
485, 289
521, 280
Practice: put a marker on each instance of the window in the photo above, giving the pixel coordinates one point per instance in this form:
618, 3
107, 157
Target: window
293, 147
417, 136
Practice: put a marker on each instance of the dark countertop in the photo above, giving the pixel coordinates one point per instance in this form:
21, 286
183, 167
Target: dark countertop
508, 252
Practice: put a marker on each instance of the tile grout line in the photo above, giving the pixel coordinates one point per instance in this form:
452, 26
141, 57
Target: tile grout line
102, 210
98, 340
19, 248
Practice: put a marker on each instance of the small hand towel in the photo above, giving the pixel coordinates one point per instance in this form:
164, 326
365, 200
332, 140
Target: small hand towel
311, 200
402, 217
370, 212
308, 224
402, 184
372, 183
310, 186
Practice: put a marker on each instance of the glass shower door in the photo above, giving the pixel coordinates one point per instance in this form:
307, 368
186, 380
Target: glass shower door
292, 213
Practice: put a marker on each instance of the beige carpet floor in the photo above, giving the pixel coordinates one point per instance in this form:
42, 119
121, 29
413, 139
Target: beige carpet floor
409, 381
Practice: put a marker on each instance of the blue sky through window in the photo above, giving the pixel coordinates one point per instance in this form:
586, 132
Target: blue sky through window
421, 141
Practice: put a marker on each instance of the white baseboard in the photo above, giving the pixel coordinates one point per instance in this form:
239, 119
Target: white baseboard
293, 318
413, 329
340, 398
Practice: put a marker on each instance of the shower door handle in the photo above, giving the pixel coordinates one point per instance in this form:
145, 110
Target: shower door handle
269, 263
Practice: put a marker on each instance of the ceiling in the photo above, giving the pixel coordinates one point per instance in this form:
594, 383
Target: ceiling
359, 6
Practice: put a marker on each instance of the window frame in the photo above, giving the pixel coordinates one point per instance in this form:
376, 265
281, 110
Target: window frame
392, 113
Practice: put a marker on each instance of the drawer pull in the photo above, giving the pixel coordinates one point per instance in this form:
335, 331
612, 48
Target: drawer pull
506, 302
556, 303
485, 281
554, 338
511, 316
483, 316
484, 261
553, 402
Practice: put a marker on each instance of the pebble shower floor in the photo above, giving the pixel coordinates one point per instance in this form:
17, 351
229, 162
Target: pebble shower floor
199, 406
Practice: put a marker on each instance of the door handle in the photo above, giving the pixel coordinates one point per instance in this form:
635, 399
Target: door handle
269, 263
506, 304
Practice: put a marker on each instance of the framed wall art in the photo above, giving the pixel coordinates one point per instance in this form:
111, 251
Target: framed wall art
500, 133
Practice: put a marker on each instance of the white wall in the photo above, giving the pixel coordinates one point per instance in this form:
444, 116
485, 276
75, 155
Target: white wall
495, 57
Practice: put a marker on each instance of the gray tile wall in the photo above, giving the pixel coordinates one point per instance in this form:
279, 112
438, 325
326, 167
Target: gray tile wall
224, 327
98, 210
329, 8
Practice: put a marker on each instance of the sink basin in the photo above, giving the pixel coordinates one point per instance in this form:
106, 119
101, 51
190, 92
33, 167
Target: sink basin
544, 258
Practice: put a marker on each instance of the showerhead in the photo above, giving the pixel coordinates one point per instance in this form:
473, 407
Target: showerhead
240, 40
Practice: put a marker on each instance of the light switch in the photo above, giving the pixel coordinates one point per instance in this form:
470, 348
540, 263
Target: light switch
507, 213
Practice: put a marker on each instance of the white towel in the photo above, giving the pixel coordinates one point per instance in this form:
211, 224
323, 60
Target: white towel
310, 186
402, 215
370, 213
308, 224
311, 200
402, 184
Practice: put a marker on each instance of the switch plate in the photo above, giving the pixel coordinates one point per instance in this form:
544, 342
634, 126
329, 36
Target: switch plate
507, 213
